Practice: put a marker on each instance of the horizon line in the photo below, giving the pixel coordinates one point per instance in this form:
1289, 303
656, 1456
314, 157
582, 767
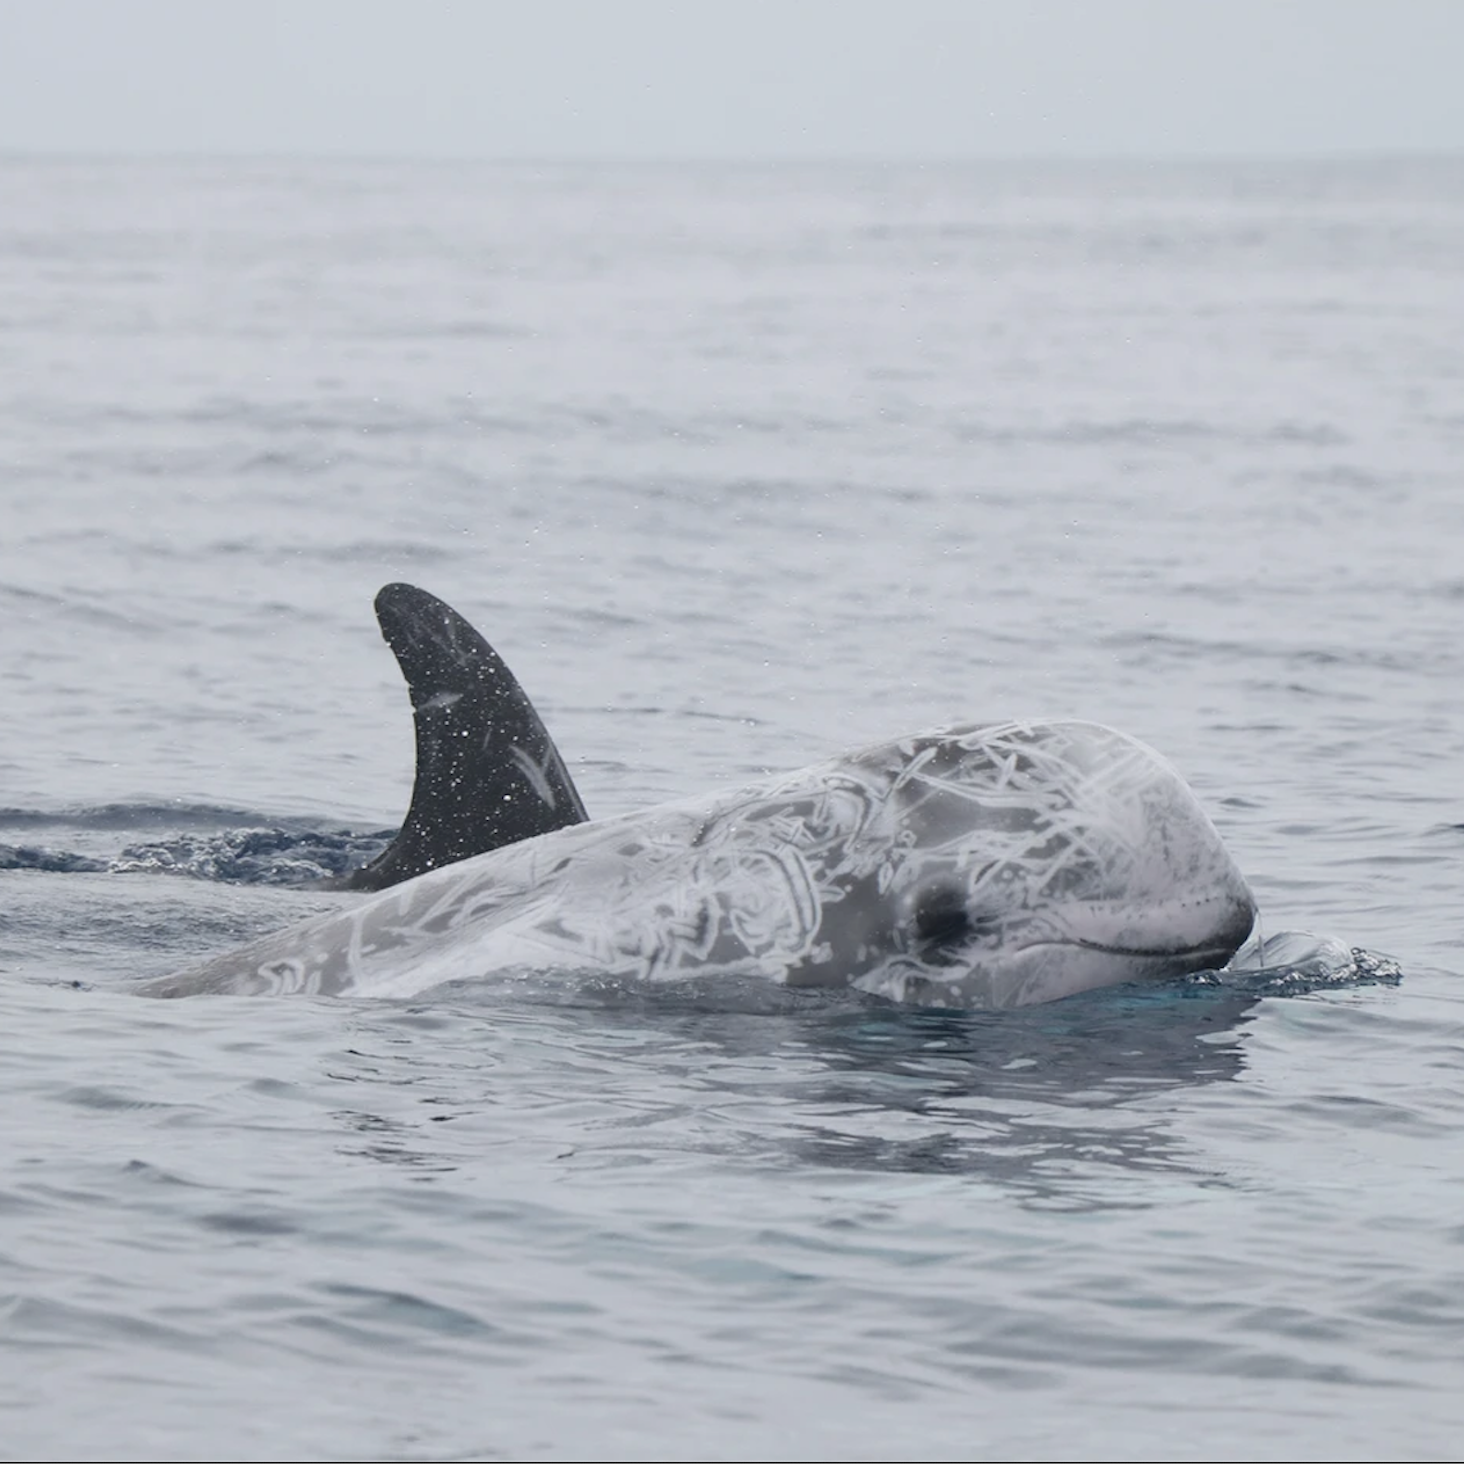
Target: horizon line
1377, 154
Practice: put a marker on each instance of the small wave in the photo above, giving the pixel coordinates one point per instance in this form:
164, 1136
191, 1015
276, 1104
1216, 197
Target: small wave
1149, 432
49, 861
1333, 967
272, 856
125, 816
201, 843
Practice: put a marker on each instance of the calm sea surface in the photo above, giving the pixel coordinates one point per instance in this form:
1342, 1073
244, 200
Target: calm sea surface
737, 467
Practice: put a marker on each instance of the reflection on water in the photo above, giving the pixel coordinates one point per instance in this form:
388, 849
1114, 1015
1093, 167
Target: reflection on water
1028, 1099
1051, 1103
1039, 1101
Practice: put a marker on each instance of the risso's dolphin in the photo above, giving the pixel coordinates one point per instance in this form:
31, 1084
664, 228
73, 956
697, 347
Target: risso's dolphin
978, 866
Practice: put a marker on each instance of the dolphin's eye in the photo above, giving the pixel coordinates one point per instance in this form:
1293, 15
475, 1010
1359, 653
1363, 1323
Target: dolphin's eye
940, 912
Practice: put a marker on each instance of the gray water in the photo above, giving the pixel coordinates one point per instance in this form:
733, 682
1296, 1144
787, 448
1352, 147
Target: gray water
737, 467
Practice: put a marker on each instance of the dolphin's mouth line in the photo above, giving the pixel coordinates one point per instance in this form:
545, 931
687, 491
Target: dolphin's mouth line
1222, 949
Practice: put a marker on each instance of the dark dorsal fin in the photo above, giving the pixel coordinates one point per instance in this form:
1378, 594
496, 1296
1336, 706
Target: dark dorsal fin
488, 773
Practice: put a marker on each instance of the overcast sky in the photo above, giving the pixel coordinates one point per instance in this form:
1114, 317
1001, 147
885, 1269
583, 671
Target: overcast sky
732, 78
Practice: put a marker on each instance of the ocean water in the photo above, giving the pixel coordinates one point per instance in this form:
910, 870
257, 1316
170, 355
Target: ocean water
736, 466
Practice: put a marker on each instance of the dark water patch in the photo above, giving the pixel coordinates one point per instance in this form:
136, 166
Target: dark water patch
29, 597
1173, 644
52, 861
14, 1203
74, 608
140, 1171
250, 1224
206, 843
400, 1309
128, 816
1346, 475
270, 856
379, 551
107, 1100
49, 1322
457, 329
1149, 432
1197, 1341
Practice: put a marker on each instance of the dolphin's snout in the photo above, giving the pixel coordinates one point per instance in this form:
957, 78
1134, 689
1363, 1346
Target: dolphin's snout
1238, 918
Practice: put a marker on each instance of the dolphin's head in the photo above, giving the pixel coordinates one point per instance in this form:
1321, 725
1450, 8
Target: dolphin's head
1036, 860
